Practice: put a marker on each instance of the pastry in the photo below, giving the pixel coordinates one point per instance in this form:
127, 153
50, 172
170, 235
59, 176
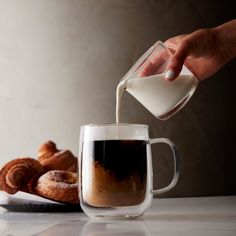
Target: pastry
16, 174
53, 159
58, 185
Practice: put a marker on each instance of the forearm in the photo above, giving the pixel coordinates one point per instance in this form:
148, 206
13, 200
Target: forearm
226, 39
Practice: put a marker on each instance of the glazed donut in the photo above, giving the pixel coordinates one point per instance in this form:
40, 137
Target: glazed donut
53, 159
16, 174
58, 185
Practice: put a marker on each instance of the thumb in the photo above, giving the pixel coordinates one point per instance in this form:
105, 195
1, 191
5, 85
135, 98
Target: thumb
176, 62
173, 69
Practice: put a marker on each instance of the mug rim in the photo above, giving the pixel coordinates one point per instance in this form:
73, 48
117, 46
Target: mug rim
116, 125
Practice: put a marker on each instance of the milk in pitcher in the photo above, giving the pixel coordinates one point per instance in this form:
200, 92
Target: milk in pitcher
161, 97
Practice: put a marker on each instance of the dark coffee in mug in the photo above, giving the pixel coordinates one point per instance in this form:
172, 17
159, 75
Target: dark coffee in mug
117, 172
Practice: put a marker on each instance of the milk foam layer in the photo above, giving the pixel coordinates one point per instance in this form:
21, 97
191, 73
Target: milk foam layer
115, 132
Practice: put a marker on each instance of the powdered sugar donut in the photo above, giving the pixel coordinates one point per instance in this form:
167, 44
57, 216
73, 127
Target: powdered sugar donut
58, 185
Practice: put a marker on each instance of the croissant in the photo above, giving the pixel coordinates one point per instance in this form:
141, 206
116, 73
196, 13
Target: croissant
58, 185
53, 159
16, 174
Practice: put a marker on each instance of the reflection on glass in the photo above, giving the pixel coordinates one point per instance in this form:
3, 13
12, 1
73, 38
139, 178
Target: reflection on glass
115, 228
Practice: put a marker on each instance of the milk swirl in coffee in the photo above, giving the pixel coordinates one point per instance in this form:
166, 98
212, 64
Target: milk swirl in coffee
118, 172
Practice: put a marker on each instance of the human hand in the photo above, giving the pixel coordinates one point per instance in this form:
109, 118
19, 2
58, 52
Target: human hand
204, 51
200, 51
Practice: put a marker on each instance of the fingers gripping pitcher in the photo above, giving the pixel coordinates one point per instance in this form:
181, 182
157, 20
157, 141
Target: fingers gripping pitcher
145, 81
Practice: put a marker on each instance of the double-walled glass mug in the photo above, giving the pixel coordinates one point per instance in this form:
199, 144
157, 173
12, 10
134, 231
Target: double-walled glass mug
115, 170
146, 82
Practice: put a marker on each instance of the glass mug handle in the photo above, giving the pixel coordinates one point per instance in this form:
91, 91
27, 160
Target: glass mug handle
176, 157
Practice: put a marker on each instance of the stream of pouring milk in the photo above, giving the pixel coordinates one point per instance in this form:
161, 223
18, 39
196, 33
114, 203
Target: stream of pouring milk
119, 92
158, 95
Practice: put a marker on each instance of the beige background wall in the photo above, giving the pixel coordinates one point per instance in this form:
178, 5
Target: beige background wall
60, 62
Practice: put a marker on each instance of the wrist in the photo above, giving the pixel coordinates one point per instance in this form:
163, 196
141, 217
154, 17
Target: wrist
225, 38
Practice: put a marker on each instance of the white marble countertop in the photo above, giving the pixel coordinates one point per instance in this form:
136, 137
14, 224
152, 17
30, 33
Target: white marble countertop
174, 216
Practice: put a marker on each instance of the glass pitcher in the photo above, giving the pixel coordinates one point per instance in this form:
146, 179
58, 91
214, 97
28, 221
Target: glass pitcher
146, 82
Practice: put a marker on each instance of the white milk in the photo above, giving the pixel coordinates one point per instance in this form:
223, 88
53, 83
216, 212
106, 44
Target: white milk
119, 92
161, 97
